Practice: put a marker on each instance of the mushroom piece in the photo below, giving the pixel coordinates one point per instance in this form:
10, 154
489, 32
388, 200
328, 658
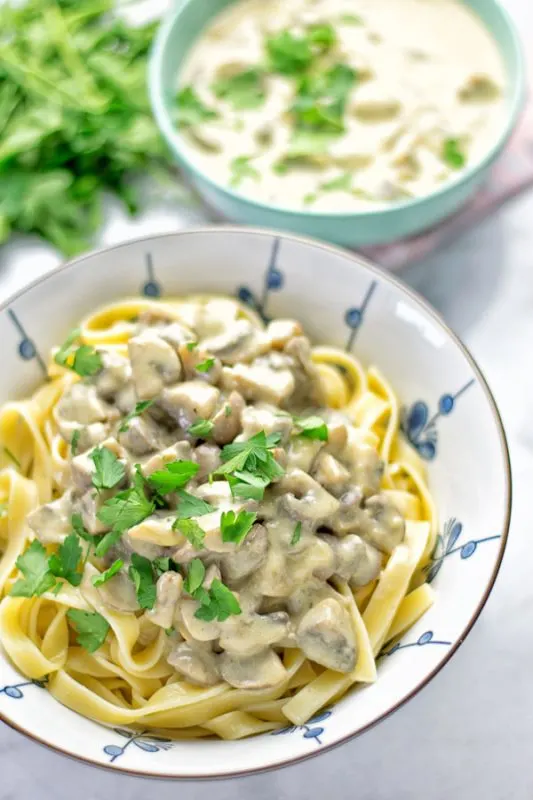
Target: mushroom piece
157, 529
88, 505
155, 364
256, 672
365, 465
239, 342
330, 473
208, 459
307, 594
114, 375
179, 451
356, 561
348, 517
168, 592
81, 404
302, 452
190, 401
216, 493
478, 88
197, 664
118, 593
382, 524
246, 558
82, 470
51, 522
375, 102
89, 435
308, 383
269, 419
325, 635
142, 436
190, 358
337, 436
227, 421
305, 499
194, 628
127, 545
259, 382
281, 331
175, 334
249, 634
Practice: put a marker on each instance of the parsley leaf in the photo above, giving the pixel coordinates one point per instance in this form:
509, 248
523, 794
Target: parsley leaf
74, 442
108, 469
452, 153
241, 169
91, 628
201, 428
289, 54
252, 455
195, 576
163, 564
77, 525
247, 485
205, 366
321, 98
243, 90
84, 360
142, 575
115, 567
63, 563
343, 183
33, 564
322, 36
192, 531
175, 475
312, 428
191, 506
126, 509
295, 538
190, 109
191, 346
219, 604
137, 411
234, 527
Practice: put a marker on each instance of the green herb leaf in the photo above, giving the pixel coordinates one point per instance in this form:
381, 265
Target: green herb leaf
74, 442
142, 575
192, 531
121, 512
205, 366
201, 428
312, 428
252, 456
64, 563
169, 631
297, 533
452, 153
163, 564
310, 198
241, 169
289, 54
190, 109
84, 360
341, 184
243, 90
322, 37
108, 470
234, 528
221, 603
321, 98
191, 506
115, 567
227, 411
195, 576
91, 628
137, 411
33, 564
173, 476
191, 346
77, 525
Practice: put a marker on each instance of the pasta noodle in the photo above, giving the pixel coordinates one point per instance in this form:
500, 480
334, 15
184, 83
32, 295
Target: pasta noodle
127, 678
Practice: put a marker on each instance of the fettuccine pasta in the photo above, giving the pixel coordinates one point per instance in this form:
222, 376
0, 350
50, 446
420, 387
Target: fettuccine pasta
208, 527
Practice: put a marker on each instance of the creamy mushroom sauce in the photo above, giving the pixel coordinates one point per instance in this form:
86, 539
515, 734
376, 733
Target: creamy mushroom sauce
340, 104
322, 517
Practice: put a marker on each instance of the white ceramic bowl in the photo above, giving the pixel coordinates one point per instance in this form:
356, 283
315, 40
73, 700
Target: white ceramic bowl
449, 416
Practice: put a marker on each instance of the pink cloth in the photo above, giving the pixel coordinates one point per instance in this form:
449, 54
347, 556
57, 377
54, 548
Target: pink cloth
512, 173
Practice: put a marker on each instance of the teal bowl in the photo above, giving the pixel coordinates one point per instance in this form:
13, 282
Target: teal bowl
353, 229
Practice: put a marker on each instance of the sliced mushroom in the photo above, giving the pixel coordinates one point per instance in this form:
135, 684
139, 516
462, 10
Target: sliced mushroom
305, 499
208, 459
179, 451
281, 331
382, 524
337, 436
269, 419
168, 592
375, 102
128, 545
190, 401
325, 635
239, 342
356, 561
227, 420
190, 358
479, 88
88, 505
81, 404
216, 493
256, 672
315, 558
197, 664
89, 435
349, 515
51, 522
119, 593
157, 529
246, 558
330, 473
141, 437
302, 453
114, 375
155, 364
365, 465
308, 391
194, 628
307, 594
249, 634
259, 382
175, 334
82, 470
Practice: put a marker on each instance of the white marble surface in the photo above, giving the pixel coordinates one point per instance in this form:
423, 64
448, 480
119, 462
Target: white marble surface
469, 734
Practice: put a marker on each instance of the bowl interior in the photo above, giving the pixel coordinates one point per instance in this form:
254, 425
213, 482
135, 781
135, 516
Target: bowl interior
186, 22
449, 416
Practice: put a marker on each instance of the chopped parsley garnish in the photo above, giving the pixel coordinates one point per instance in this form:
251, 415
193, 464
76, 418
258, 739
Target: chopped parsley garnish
321, 98
234, 527
91, 628
63, 564
243, 90
312, 428
201, 428
295, 538
77, 526
219, 604
341, 184
310, 198
252, 456
174, 475
191, 346
192, 532
126, 509
74, 442
195, 576
291, 55
452, 153
33, 564
108, 470
191, 506
163, 564
205, 366
142, 575
137, 411
321, 37
227, 411
84, 359
115, 567
241, 169
12, 457
190, 109
247, 485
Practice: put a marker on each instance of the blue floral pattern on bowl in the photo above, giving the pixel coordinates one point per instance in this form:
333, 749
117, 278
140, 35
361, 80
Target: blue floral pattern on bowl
445, 546
15, 690
26, 348
151, 288
309, 731
143, 740
273, 282
420, 429
425, 639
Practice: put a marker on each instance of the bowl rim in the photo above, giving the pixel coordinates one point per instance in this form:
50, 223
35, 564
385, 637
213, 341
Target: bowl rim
513, 112
418, 299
